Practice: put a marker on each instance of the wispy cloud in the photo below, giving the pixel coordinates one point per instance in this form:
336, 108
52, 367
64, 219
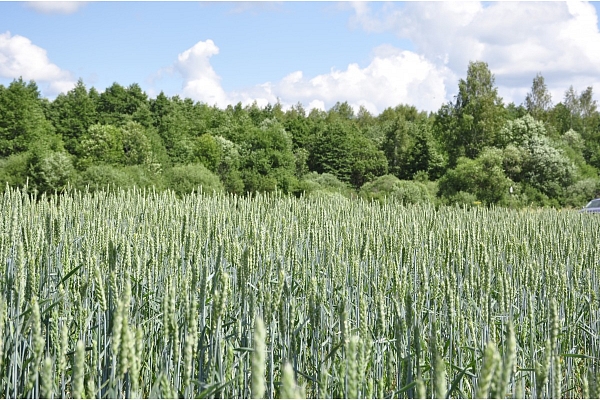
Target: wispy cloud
55, 7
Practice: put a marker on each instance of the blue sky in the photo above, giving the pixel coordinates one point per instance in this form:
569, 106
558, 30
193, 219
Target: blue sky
372, 54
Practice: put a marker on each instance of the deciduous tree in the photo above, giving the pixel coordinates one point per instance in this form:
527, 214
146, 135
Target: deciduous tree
474, 121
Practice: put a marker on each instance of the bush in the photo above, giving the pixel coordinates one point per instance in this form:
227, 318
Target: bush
51, 171
580, 193
13, 170
463, 198
388, 186
315, 184
192, 177
483, 177
104, 177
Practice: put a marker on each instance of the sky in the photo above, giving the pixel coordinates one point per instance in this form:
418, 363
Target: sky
371, 54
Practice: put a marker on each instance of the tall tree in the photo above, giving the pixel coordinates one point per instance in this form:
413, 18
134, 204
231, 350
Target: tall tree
539, 100
572, 104
118, 105
23, 124
474, 121
159, 107
397, 143
72, 114
343, 111
588, 108
341, 150
587, 104
268, 161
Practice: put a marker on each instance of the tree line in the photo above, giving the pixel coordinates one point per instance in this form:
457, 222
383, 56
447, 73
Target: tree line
473, 150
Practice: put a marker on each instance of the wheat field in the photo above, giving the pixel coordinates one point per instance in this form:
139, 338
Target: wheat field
143, 294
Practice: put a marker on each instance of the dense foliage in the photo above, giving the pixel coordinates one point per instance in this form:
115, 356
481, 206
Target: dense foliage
473, 149
150, 295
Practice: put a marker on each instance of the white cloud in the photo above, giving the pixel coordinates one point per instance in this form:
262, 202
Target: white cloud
200, 81
517, 40
318, 104
55, 7
392, 77
21, 58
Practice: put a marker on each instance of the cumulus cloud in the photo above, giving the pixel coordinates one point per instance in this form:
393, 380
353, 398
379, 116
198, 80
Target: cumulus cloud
517, 40
55, 7
200, 81
21, 58
392, 77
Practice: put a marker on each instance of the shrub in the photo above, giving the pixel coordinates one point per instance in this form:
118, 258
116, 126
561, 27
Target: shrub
388, 186
13, 170
50, 171
99, 177
187, 178
314, 183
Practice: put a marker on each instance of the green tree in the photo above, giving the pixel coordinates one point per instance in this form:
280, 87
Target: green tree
72, 114
101, 144
546, 168
23, 124
424, 155
343, 111
579, 193
208, 151
474, 121
341, 150
397, 144
532, 158
573, 105
159, 107
520, 130
539, 100
299, 126
364, 118
368, 162
14, 170
483, 177
103, 177
410, 147
314, 184
137, 146
268, 161
229, 164
589, 115
50, 171
117, 105
175, 131
560, 118
405, 111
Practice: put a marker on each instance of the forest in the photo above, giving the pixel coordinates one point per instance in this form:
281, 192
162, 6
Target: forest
474, 150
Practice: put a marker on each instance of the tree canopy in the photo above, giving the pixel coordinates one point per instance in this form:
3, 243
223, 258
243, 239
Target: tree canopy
473, 149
